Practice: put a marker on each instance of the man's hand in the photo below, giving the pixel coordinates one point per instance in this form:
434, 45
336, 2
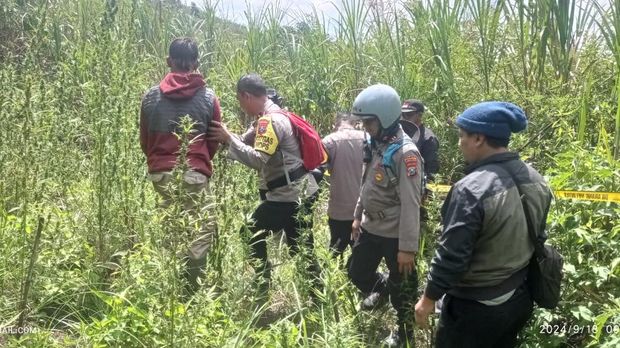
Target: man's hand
423, 309
406, 262
355, 230
217, 131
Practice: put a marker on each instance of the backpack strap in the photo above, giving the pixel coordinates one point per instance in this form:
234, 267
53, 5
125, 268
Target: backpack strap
293, 175
388, 154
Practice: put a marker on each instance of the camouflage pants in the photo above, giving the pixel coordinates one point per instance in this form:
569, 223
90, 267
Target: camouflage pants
196, 202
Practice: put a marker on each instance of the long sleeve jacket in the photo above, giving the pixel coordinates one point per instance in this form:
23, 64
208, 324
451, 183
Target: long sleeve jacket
485, 246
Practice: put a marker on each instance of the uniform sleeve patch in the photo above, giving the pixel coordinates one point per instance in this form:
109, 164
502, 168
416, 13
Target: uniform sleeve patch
262, 126
266, 140
411, 163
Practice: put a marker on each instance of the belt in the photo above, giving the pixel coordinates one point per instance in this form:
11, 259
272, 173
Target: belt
293, 175
380, 215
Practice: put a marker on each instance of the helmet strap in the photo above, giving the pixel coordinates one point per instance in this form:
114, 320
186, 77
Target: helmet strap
388, 133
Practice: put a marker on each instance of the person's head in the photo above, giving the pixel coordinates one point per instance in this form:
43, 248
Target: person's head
252, 94
485, 128
344, 119
378, 107
412, 111
183, 55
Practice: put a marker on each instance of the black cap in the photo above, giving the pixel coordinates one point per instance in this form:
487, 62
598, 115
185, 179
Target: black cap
412, 105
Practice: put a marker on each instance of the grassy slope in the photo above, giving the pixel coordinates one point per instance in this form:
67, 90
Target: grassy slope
68, 144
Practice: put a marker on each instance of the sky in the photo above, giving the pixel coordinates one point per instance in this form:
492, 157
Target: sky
234, 9
294, 8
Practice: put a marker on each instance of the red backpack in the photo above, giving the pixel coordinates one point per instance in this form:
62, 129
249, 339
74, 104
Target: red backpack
311, 147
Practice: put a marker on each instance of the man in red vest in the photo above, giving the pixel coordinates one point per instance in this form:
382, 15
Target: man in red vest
182, 92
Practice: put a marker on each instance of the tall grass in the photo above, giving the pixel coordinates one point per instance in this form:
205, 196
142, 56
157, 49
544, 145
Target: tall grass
442, 21
529, 20
352, 32
487, 14
584, 108
609, 24
389, 39
570, 23
74, 72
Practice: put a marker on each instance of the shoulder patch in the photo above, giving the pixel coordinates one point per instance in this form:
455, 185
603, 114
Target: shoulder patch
266, 139
262, 125
411, 163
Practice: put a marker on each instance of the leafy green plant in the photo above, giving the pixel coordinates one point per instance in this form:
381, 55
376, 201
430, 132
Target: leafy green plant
101, 274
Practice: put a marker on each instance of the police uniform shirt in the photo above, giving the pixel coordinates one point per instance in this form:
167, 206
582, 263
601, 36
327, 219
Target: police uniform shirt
345, 149
275, 152
389, 202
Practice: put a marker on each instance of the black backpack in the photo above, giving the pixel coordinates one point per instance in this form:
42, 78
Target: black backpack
544, 276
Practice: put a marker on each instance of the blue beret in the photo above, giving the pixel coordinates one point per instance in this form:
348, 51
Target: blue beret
494, 119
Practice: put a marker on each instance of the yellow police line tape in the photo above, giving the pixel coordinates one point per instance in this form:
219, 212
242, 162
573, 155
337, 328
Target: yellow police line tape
589, 196
579, 195
439, 188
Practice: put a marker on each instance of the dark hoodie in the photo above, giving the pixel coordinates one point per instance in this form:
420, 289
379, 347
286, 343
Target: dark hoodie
178, 94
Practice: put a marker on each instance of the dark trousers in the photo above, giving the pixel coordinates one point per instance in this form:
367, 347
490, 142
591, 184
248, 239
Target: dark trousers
365, 258
291, 217
468, 323
340, 231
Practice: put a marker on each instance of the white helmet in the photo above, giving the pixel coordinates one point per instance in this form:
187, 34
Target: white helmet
380, 101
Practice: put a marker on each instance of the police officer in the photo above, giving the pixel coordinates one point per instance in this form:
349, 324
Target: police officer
345, 153
289, 189
426, 141
386, 220
411, 112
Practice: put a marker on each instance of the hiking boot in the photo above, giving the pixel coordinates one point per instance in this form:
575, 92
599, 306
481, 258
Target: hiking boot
374, 300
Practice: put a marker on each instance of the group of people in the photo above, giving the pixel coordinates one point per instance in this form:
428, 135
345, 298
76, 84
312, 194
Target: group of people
377, 188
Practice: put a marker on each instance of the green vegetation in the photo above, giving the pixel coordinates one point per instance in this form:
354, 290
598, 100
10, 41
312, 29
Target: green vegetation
83, 257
